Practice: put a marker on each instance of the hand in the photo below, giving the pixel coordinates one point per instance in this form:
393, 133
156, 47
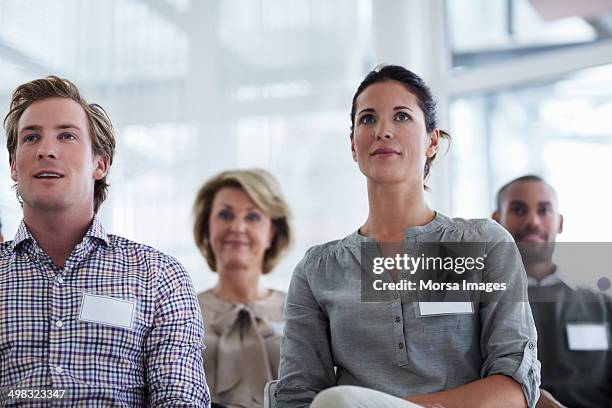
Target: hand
548, 401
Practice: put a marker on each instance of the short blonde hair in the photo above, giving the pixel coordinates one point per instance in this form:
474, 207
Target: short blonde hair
265, 192
100, 127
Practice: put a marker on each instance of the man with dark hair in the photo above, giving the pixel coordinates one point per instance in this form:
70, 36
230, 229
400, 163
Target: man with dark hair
574, 372
87, 318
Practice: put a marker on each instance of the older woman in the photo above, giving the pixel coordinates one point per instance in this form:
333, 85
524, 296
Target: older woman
400, 350
242, 229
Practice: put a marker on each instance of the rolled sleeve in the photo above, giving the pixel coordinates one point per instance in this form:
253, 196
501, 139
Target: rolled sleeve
508, 336
175, 371
524, 369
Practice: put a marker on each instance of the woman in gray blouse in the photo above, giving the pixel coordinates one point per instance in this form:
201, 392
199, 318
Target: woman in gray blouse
397, 352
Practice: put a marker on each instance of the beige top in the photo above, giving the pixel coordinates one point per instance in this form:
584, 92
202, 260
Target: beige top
242, 347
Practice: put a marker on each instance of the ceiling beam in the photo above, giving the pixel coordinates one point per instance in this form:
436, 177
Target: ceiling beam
519, 71
23, 60
167, 12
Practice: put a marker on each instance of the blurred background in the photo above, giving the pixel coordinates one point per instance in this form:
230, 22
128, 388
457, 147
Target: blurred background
195, 87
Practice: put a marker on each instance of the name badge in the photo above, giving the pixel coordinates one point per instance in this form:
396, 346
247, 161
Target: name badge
277, 327
588, 337
107, 310
445, 308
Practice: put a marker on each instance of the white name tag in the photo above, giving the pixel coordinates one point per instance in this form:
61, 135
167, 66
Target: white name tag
107, 310
445, 308
588, 337
277, 327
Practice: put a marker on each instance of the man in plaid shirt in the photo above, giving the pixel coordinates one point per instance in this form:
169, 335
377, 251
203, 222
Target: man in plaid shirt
86, 318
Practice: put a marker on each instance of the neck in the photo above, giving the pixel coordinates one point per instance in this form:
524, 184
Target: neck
239, 285
393, 208
540, 270
57, 233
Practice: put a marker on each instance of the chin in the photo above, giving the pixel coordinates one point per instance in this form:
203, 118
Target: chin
536, 252
46, 203
236, 263
394, 177
381, 174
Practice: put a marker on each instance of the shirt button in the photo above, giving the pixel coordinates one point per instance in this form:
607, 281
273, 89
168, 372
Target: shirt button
59, 323
531, 346
58, 369
397, 319
401, 345
395, 295
59, 280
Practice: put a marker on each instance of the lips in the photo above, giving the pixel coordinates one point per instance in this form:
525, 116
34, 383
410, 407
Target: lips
385, 151
48, 174
532, 238
235, 242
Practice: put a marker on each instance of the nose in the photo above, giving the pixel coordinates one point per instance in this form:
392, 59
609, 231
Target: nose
533, 219
46, 149
383, 131
238, 225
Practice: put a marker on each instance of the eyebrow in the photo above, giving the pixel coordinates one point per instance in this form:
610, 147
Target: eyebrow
58, 127
395, 109
67, 126
517, 202
402, 107
231, 206
366, 110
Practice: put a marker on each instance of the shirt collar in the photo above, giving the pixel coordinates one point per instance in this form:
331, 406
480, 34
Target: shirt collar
410, 232
548, 280
95, 230
22, 235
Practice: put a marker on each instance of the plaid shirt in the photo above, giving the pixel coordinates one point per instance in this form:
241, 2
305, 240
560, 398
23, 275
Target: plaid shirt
46, 344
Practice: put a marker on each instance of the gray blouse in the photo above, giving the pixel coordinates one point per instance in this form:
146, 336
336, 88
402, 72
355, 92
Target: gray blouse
333, 338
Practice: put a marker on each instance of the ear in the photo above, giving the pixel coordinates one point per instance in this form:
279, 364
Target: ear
353, 152
434, 138
495, 216
560, 224
101, 162
13, 169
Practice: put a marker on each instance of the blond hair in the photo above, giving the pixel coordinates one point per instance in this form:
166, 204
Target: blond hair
265, 192
100, 127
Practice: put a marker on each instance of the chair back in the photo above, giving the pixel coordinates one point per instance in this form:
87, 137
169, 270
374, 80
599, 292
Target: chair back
269, 398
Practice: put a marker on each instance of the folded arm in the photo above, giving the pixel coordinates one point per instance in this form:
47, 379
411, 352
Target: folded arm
496, 391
